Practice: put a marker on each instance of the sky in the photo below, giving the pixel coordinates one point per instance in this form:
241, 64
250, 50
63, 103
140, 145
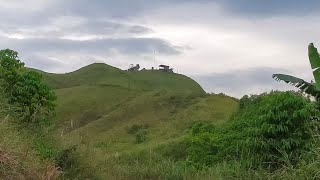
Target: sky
229, 46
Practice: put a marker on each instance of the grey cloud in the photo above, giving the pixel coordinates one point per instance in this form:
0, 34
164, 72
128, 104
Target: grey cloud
41, 62
254, 8
100, 21
139, 29
250, 8
97, 8
126, 9
90, 27
110, 28
119, 8
126, 46
245, 81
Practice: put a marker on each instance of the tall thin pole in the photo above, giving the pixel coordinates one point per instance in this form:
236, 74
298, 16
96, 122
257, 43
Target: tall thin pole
154, 58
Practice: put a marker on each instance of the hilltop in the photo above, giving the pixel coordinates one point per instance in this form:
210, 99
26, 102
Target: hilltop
98, 104
103, 74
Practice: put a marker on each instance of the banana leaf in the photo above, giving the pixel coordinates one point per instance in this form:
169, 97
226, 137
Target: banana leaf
305, 86
314, 59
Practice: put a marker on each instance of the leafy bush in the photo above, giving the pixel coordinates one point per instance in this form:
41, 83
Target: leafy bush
248, 101
272, 131
34, 97
202, 127
175, 150
25, 89
43, 149
201, 147
10, 67
141, 136
139, 131
63, 159
279, 129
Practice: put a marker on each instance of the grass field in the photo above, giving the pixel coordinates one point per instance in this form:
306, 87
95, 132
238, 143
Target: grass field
99, 103
18, 157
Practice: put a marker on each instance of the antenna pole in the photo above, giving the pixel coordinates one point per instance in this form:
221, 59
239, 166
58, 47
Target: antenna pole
154, 58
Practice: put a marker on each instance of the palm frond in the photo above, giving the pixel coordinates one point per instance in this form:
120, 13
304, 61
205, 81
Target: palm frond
305, 86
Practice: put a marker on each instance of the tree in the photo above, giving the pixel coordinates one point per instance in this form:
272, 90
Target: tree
36, 101
10, 67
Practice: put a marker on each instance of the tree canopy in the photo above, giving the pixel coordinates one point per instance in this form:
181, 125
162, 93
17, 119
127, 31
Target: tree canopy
24, 88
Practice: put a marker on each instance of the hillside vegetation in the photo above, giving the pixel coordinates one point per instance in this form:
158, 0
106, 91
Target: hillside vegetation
114, 124
18, 157
100, 122
103, 74
26, 104
99, 104
156, 125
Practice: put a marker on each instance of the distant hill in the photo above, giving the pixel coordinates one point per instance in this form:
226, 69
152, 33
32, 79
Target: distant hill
103, 74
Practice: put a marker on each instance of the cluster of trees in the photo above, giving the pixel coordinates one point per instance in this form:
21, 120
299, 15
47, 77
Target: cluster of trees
270, 130
22, 88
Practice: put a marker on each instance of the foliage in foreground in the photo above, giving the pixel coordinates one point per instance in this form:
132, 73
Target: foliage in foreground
270, 131
35, 100
24, 100
18, 160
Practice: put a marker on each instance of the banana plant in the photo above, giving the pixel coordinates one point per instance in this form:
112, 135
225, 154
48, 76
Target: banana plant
312, 88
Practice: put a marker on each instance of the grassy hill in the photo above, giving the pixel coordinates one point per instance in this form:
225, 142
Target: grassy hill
102, 74
99, 104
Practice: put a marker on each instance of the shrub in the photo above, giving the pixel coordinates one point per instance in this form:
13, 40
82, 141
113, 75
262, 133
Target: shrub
176, 150
201, 147
139, 131
43, 149
25, 89
141, 136
248, 101
66, 158
35, 98
272, 131
135, 128
202, 127
278, 131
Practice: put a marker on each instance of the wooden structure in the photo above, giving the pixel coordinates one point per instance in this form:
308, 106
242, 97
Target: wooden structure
165, 68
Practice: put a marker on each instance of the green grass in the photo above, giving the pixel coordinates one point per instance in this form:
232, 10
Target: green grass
18, 157
98, 104
80, 105
103, 74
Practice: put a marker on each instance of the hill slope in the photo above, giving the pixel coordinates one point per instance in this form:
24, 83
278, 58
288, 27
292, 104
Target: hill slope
99, 104
102, 74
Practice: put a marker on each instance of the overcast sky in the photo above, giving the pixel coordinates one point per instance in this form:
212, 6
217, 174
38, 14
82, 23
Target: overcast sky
230, 46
